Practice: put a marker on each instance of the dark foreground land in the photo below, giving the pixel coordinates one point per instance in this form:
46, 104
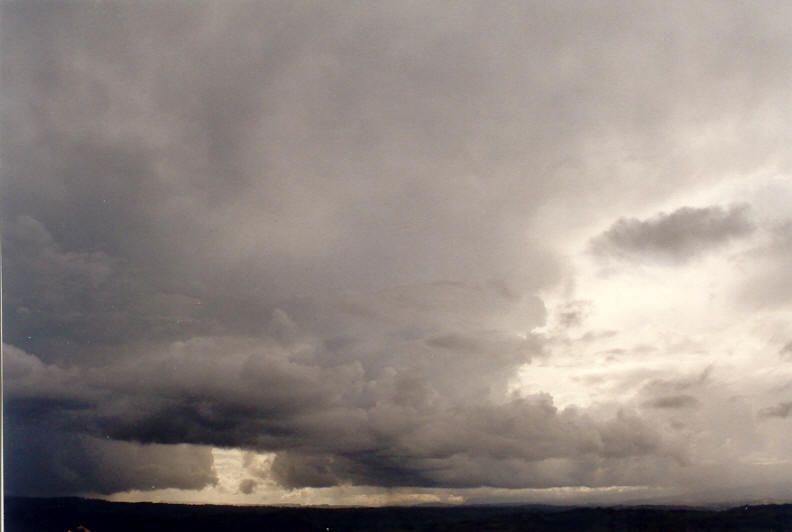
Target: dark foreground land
60, 515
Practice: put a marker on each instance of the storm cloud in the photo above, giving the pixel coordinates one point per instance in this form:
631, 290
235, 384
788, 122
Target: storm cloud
46, 461
353, 238
388, 412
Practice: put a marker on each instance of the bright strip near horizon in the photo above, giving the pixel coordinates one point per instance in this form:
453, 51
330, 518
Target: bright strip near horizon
374, 253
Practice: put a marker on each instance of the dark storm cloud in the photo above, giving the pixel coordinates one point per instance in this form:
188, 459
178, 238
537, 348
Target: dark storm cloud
58, 301
45, 461
315, 229
153, 149
404, 421
678, 236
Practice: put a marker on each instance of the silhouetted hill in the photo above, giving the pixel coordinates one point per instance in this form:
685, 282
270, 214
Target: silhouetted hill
62, 514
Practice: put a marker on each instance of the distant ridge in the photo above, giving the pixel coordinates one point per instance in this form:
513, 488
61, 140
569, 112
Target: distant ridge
24, 514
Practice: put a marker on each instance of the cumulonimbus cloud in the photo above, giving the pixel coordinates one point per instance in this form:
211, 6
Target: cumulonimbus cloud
384, 409
320, 230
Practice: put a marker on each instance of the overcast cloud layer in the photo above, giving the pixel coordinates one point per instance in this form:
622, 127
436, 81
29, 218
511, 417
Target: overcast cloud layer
484, 251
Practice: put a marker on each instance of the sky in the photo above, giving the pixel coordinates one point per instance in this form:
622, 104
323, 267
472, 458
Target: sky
395, 252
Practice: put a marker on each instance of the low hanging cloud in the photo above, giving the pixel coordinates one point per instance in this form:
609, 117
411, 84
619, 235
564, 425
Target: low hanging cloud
356, 388
382, 408
677, 236
43, 459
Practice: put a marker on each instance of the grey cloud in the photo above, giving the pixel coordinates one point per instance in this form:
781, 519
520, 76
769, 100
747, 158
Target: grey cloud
673, 401
257, 466
294, 470
593, 336
523, 444
573, 314
765, 283
247, 486
402, 423
45, 461
218, 160
786, 351
781, 410
63, 304
678, 236
699, 411
680, 383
